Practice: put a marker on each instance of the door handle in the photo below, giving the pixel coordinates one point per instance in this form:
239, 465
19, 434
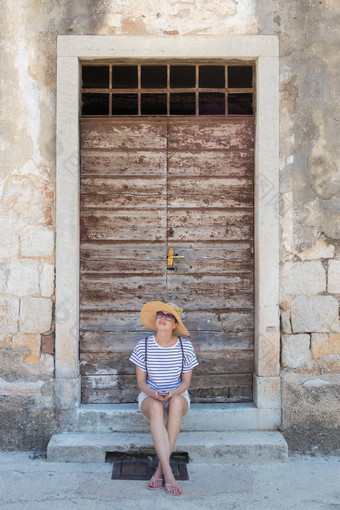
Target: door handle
171, 257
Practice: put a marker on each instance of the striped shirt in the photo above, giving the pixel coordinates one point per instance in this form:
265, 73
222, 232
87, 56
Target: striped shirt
164, 363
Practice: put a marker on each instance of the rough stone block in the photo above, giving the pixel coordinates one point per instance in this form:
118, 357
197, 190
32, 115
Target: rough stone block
315, 314
303, 278
321, 250
47, 280
28, 342
295, 350
267, 353
47, 344
67, 393
5, 342
310, 412
4, 273
9, 246
334, 276
28, 197
13, 365
267, 392
35, 315
285, 321
37, 241
27, 418
323, 344
9, 315
23, 279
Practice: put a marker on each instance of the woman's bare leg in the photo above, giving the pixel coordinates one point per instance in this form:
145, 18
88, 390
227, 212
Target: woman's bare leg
164, 438
153, 410
178, 407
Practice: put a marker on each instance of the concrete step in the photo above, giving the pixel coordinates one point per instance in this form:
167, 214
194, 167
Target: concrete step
254, 447
202, 417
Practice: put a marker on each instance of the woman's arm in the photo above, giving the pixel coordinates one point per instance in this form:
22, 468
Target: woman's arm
186, 380
143, 386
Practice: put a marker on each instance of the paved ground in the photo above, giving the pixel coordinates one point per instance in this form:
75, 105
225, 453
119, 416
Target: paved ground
302, 483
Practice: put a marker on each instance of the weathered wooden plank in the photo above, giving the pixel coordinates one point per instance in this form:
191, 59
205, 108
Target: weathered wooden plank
123, 225
108, 389
124, 323
210, 192
211, 291
120, 293
113, 258
134, 193
198, 135
119, 321
198, 258
213, 258
211, 320
226, 361
109, 342
192, 225
135, 292
234, 164
123, 163
123, 388
220, 340
123, 135
217, 362
203, 341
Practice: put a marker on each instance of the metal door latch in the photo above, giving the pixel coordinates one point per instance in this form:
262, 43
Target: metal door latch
171, 257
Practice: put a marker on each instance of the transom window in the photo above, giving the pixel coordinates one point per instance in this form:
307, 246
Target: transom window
167, 89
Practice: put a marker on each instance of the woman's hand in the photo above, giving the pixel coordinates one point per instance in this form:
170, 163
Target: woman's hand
163, 397
158, 395
167, 396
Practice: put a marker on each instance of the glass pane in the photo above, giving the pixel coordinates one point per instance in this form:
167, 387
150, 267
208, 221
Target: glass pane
95, 77
154, 77
211, 103
182, 77
95, 104
124, 104
240, 77
240, 104
182, 104
124, 77
153, 104
212, 77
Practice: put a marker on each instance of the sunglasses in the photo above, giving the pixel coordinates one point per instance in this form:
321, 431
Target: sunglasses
168, 316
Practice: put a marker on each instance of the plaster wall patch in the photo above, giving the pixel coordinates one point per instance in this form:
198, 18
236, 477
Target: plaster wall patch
31, 96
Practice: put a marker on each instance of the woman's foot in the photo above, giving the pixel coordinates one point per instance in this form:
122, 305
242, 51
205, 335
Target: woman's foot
155, 483
157, 480
173, 488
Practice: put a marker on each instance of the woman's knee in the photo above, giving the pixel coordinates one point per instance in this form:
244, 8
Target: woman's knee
178, 404
152, 408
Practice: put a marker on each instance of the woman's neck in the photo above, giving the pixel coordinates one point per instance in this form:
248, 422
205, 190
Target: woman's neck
165, 338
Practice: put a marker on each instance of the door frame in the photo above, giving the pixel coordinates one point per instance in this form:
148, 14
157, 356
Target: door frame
264, 50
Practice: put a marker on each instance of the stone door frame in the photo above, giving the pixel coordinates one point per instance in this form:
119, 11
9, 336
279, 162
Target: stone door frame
264, 50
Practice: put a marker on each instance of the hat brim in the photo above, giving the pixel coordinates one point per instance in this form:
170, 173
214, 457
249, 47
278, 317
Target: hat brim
148, 317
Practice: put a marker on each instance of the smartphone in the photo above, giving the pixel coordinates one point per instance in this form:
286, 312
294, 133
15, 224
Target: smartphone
165, 393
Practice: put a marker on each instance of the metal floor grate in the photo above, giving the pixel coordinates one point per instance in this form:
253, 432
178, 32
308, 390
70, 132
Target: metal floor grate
142, 466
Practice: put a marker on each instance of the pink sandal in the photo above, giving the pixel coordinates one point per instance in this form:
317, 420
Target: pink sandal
154, 481
173, 486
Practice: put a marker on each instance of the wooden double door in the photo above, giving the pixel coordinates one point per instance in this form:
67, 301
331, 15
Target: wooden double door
147, 186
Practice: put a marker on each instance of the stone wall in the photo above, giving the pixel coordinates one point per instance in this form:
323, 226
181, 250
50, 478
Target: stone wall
310, 349
309, 184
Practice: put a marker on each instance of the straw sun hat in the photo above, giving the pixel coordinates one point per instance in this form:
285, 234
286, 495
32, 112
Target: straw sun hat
148, 316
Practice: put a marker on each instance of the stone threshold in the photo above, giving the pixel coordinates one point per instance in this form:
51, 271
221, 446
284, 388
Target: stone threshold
254, 447
218, 417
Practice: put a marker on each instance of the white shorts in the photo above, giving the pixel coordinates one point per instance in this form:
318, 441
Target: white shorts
142, 396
